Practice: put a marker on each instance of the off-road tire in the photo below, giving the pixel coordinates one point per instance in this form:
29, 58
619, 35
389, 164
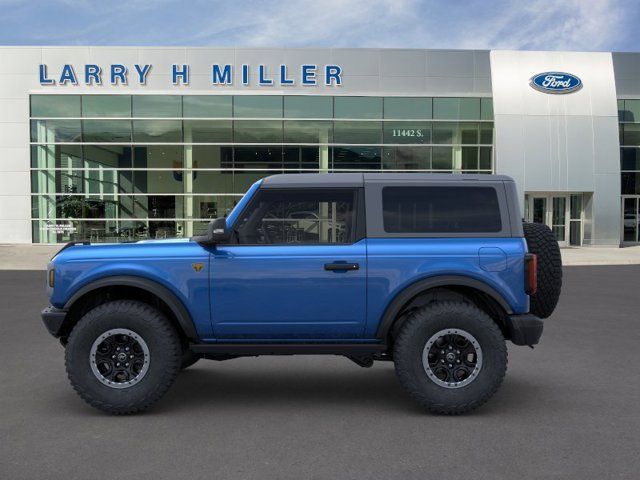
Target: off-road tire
188, 358
541, 241
164, 356
414, 334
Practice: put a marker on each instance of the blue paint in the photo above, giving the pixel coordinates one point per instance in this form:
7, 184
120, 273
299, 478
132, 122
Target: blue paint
180, 74
270, 291
283, 292
167, 262
118, 75
92, 75
222, 76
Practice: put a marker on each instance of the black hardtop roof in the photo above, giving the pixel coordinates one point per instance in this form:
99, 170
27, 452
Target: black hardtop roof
358, 179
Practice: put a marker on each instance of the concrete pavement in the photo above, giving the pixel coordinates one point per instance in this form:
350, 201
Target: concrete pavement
567, 410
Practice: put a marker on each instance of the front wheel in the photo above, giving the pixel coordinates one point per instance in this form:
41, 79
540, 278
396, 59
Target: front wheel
122, 356
451, 357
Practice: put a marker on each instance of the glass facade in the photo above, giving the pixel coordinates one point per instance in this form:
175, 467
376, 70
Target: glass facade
629, 117
115, 168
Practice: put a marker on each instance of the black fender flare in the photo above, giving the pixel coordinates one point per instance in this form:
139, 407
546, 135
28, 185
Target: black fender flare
163, 293
401, 299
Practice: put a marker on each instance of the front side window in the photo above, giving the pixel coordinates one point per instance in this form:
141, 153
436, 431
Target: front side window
441, 210
295, 217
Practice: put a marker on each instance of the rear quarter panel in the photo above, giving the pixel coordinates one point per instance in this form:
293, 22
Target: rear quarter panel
396, 263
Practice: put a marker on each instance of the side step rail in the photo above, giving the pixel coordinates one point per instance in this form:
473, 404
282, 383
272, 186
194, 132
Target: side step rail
251, 349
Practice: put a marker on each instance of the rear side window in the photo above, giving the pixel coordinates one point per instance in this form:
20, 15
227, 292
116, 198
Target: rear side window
441, 210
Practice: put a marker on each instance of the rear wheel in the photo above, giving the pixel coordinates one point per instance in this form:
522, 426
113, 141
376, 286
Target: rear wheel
122, 356
451, 357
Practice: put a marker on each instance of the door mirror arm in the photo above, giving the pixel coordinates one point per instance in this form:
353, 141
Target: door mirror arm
217, 233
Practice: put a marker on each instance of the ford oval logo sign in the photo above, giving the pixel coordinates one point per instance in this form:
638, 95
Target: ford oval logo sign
555, 82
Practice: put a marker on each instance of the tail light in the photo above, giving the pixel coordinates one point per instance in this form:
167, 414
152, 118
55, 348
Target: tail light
530, 274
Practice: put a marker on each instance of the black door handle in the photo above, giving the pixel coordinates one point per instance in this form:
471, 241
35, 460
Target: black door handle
341, 266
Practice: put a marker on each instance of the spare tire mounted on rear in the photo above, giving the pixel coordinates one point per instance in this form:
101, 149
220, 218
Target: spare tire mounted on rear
542, 243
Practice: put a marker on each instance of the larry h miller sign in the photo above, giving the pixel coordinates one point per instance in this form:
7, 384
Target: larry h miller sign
221, 74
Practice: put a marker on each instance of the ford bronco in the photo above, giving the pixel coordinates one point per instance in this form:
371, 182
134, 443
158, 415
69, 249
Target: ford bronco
431, 271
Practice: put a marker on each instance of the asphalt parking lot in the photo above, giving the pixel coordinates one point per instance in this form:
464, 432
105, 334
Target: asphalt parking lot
568, 409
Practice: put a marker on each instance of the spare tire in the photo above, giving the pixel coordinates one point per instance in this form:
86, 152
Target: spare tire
542, 243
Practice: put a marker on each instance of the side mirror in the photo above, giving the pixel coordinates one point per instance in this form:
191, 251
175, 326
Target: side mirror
218, 231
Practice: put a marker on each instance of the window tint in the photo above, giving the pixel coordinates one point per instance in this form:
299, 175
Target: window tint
298, 217
440, 210
265, 106
308, 107
55, 105
206, 106
106, 106
157, 106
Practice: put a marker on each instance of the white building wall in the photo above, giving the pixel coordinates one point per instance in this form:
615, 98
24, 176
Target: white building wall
18, 74
560, 143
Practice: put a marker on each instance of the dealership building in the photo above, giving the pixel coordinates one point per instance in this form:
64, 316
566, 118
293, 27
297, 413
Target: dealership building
115, 144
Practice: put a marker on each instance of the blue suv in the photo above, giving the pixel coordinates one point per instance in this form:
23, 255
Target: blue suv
432, 272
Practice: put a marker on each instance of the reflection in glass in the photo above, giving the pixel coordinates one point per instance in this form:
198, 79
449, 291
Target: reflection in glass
357, 132
207, 106
407, 107
153, 106
106, 131
157, 131
50, 131
106, 105
486, 109
456, 108
208, 131
303, 106
307, 131
258, 106
357, 107
164, 177
257, 131
55, 105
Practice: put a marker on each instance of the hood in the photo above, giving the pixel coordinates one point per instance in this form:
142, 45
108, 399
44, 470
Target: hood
98, 251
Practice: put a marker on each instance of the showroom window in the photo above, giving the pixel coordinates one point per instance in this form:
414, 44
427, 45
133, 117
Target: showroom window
113, 168
629, 118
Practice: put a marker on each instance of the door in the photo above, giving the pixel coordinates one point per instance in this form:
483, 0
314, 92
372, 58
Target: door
630, 219
297, 271
552, 211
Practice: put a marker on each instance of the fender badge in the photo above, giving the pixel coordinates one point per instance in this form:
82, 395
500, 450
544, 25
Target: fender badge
197, 266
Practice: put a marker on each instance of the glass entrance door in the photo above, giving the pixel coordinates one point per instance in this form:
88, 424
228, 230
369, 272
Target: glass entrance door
552, 211
630, 219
